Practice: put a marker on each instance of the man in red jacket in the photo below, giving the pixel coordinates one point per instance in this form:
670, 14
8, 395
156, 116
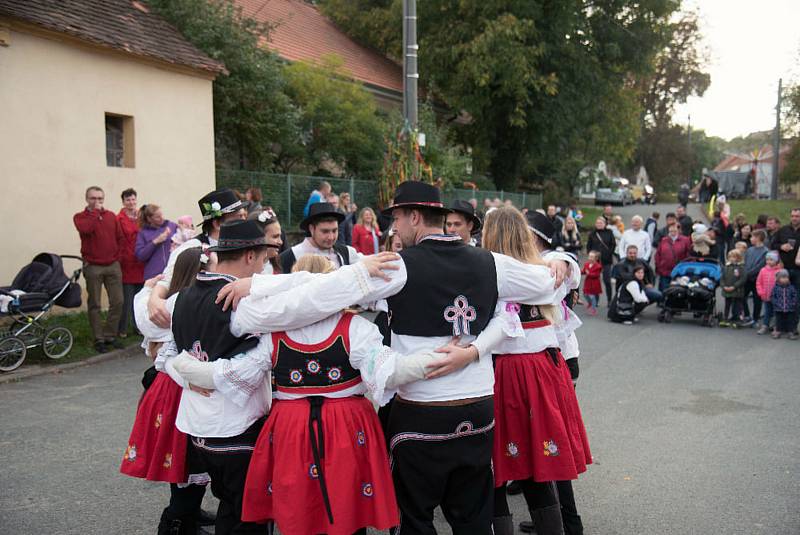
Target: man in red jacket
101, 241
672, 248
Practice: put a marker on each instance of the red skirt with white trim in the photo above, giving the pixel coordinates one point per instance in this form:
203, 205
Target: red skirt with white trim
539, 431
156, 449
283, 480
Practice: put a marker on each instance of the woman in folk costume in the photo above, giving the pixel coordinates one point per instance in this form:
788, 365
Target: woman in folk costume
539, 435
156, 450
320, 464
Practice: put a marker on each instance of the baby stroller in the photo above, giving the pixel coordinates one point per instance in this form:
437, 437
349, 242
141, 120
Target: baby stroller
693, 288
36, 288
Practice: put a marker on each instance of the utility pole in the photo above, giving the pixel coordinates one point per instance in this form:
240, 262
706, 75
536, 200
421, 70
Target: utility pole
776, 145
410, 73
691, 158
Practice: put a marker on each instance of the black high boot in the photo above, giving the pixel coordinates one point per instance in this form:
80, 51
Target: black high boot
547, 520
169, 525
503, 525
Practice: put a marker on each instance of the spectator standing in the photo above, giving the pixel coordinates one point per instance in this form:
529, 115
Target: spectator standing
672, 248
366, 233
601, 239
684, 220
593, 269
101, 241
254, 198
743, 234
651, 225
734, 278
773, 225
638, 237
132, 268
317, 195
569, 238
608, 214
787, 242
671, 219
555, 219
345, 236
765, 282
784, 306
755, 259
761, 222
153, 245
708, 189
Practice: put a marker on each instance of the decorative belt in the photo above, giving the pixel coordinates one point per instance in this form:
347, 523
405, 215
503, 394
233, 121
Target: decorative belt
535, 324
318, 447
449, 403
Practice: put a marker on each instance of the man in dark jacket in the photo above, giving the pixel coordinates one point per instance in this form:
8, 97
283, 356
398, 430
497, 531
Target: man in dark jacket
601, 239
101, 242
684, 220
787, 242
623, 272
664, 231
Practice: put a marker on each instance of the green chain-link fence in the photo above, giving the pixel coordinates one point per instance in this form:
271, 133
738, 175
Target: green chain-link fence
288, 194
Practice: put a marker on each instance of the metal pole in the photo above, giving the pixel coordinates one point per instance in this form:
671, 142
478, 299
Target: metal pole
691, 160
776, 145
410, 72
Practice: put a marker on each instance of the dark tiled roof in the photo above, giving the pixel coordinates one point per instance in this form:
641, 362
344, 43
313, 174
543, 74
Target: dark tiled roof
126, 25
302, 32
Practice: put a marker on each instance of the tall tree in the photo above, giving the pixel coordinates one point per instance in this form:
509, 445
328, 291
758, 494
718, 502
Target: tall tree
253, 117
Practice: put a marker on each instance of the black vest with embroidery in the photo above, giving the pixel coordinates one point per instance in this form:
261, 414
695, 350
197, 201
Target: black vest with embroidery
531, 317
201, 327
314, 369
288, 259
451, 290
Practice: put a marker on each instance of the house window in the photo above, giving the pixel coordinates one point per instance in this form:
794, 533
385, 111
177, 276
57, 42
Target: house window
119, 140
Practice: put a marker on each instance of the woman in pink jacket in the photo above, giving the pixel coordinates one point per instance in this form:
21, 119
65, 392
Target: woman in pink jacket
764, 284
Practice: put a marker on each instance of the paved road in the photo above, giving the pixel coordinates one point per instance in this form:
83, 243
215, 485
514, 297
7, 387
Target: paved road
693, 430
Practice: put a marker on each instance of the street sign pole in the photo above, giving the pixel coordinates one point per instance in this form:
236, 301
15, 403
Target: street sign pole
776, 145
410, 72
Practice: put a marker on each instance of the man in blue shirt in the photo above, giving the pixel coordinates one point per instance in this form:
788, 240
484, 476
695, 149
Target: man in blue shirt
318, 195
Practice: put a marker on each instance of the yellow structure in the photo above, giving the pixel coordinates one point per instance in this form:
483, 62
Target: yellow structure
76, 113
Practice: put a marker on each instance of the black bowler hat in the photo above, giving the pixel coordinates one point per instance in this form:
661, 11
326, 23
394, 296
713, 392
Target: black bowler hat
218, 203
320, 210
541, 225
239, 235
415, 194
466, 209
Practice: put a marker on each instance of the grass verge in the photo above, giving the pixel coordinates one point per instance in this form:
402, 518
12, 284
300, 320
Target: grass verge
83, 345
751, 208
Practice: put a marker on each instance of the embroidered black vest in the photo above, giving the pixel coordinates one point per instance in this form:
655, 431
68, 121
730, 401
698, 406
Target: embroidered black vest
531, 317
201, 327
288, 259
451, 290
314, 369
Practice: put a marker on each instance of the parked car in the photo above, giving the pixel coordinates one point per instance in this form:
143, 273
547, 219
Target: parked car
615, 192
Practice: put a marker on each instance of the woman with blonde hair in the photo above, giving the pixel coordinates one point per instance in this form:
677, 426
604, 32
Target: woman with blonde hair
539, 435
366, 232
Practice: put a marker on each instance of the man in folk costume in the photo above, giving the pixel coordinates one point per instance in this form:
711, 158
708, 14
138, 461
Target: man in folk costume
462, 221
217, 208
221, 432
440, 428
322, 230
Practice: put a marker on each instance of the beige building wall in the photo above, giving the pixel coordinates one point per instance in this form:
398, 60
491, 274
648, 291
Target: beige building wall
53, 99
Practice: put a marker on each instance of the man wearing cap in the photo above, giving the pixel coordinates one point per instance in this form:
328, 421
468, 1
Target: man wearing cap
462, 221
217, 208
322, 229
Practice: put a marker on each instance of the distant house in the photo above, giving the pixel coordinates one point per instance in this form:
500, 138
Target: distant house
760, 160
302, 33
96, 92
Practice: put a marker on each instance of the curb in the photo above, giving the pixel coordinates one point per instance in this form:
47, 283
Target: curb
25, 373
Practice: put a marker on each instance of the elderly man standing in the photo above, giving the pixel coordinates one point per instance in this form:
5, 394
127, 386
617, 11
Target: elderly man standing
638, 237
101, 241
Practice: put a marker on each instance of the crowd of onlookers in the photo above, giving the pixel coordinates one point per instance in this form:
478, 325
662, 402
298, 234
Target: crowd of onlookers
760, 263
632, 266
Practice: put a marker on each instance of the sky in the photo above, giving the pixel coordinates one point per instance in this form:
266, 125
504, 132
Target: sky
752, 43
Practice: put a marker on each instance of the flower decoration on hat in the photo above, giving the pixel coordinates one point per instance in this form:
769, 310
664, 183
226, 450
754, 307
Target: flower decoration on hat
212, 210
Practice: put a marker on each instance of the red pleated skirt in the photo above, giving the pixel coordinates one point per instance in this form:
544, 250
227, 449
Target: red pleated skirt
156, 449
539, 431
283, 481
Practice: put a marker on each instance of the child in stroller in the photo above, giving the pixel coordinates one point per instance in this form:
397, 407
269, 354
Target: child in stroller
35, 290
692, 288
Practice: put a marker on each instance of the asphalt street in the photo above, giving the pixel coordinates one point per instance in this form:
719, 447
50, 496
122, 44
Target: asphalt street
693, 430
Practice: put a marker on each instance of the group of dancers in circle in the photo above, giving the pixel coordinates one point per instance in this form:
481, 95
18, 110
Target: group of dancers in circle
264, 386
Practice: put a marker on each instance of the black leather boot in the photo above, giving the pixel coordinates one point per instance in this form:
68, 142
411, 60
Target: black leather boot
169, 525
503, 525
547, 520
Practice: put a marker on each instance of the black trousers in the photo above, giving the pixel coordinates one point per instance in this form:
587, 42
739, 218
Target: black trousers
750, 289
128, 292
607, 282
442, 456
226, 460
